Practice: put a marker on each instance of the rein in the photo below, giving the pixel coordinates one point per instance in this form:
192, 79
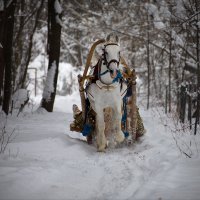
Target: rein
103, 73
99, 69
116, 79
107, 64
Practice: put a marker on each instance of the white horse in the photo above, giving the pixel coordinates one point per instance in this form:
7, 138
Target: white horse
108, 92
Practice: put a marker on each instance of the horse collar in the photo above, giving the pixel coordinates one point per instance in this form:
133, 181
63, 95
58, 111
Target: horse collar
106, 87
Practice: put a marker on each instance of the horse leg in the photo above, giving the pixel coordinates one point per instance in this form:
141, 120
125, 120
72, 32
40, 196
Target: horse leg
119, 135
100, 127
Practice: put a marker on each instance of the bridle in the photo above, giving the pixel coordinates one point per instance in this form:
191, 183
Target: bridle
118, 76
105, 61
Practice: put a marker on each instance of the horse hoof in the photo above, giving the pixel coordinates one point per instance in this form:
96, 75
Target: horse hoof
101, 150
129, 141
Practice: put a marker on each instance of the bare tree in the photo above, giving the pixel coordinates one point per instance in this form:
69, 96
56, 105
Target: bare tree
198, 65
2, 64
54, 35
9, 10
148, 63
29, 14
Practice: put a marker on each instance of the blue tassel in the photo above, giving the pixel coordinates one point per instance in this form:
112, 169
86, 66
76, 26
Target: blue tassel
118, 77
86, 130
124, 117
126, 134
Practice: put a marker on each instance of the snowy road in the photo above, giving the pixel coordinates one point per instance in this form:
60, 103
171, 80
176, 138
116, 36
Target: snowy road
43, 162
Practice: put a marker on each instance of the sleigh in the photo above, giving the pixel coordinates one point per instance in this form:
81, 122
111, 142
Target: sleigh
85, 119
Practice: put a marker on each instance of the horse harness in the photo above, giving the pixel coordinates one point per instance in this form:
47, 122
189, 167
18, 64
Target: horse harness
104, 56
97, 80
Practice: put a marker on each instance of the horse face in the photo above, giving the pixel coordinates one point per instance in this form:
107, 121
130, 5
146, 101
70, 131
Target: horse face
112, 56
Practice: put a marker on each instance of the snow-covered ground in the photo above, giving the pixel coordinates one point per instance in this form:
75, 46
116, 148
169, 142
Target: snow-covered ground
43, 161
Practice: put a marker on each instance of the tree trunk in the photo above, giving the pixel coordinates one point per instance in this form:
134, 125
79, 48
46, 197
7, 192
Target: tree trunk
7, 51
31, 44
182, 103
54, 35
18, 43
170, 62
189, 99
2, 64
148, 68
198, 68
169, 72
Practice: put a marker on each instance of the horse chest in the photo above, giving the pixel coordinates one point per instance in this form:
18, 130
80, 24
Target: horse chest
104, 95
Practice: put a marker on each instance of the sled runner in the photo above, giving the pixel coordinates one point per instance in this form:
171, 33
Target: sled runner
108, 98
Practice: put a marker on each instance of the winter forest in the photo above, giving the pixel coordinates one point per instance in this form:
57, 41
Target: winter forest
44, 50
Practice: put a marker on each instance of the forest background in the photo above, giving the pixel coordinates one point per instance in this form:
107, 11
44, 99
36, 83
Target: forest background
159, 39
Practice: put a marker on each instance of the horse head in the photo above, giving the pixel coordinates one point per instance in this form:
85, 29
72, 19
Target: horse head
111, 55
111, 58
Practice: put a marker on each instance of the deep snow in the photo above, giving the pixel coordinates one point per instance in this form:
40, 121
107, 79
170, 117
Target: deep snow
45, 162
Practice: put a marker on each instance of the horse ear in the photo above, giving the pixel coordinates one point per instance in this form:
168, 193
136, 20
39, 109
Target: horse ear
108, 38
117, 38
112, 37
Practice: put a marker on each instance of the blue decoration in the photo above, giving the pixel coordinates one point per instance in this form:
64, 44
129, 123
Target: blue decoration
126, 134
86, 130
124, 117
118, 77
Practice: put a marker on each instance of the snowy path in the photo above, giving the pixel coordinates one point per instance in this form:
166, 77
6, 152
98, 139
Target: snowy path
43, 162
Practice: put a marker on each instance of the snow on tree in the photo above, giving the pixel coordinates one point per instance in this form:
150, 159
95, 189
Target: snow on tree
54, 35
49, 84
